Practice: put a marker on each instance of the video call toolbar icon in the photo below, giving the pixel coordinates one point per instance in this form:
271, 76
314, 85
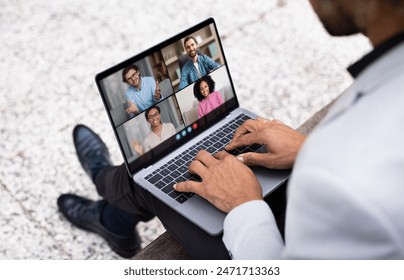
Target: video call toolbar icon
184, 132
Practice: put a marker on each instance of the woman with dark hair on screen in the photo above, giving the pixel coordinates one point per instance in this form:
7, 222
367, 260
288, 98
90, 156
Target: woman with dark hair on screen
159, 131
209, 99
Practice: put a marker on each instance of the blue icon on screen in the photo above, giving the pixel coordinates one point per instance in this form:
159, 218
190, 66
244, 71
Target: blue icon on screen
178, 136
183, 133
189, 129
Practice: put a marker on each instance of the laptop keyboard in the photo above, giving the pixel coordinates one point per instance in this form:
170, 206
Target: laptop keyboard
176, 170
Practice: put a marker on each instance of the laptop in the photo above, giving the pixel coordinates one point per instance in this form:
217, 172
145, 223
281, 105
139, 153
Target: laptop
157, 153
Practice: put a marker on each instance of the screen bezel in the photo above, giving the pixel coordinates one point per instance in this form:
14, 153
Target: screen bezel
148, 159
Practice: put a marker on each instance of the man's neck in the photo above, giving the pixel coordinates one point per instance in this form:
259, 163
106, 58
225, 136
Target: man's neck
157, 129
381, 27
383, 32
195, 58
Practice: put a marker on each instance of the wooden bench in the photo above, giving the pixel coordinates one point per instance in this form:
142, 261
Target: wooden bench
165, 247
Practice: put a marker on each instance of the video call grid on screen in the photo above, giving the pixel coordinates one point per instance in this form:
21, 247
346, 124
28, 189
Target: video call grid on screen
181, 112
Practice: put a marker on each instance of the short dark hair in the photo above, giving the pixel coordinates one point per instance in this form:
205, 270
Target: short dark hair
189, 38
148, 111
126, 70
211, 84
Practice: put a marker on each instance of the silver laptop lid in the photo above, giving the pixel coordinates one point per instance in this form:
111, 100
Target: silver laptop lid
167, 87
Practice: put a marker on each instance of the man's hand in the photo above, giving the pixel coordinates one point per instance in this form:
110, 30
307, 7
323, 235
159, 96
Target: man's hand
226, 182
132, 108
157, 92
282, 142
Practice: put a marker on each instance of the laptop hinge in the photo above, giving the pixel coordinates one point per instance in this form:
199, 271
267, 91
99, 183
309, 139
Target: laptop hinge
150, 166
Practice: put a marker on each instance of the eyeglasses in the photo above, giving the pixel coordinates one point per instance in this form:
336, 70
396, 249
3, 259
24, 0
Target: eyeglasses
131, 79
155, 115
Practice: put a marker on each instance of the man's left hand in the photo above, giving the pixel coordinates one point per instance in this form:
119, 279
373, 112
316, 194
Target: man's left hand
226, 182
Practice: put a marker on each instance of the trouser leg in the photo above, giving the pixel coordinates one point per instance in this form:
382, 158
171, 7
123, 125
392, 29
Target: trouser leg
277, 201
117, 220
116, 187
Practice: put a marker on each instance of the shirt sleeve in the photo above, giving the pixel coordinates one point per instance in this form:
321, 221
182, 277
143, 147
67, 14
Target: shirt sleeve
128, 97
171, 130
219, 98
200, 110
250, 232
329, 217
212, 65
183, 79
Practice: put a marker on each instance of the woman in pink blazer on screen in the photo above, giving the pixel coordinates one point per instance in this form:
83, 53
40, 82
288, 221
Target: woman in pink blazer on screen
209, 99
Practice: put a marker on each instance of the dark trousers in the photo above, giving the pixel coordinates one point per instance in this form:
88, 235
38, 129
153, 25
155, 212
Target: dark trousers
126, 198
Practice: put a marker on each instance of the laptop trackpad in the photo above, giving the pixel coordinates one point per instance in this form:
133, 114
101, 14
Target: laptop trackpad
270, 179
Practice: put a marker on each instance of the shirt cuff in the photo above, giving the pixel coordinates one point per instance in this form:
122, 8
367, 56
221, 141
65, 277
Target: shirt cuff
250, 232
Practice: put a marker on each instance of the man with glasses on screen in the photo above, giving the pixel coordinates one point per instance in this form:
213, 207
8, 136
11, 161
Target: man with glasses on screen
142, 93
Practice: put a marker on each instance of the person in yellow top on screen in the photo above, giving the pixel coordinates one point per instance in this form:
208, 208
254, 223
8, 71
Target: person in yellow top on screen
158, 134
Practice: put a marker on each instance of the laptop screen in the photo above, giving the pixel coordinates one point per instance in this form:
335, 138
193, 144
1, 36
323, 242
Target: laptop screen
165, 96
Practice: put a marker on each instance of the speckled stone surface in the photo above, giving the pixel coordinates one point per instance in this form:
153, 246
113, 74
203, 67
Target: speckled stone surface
284, 65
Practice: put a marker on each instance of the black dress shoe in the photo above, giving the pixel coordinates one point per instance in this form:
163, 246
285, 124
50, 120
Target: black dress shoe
85, 214
92, 152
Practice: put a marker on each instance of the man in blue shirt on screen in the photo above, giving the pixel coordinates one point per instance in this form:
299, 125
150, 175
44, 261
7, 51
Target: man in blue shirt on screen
142, 93
197, 66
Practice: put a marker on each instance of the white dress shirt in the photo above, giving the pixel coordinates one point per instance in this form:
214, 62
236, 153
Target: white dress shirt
346, 192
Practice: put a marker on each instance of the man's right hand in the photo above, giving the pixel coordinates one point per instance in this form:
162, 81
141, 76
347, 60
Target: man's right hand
282, 142
226, 182
132, 108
